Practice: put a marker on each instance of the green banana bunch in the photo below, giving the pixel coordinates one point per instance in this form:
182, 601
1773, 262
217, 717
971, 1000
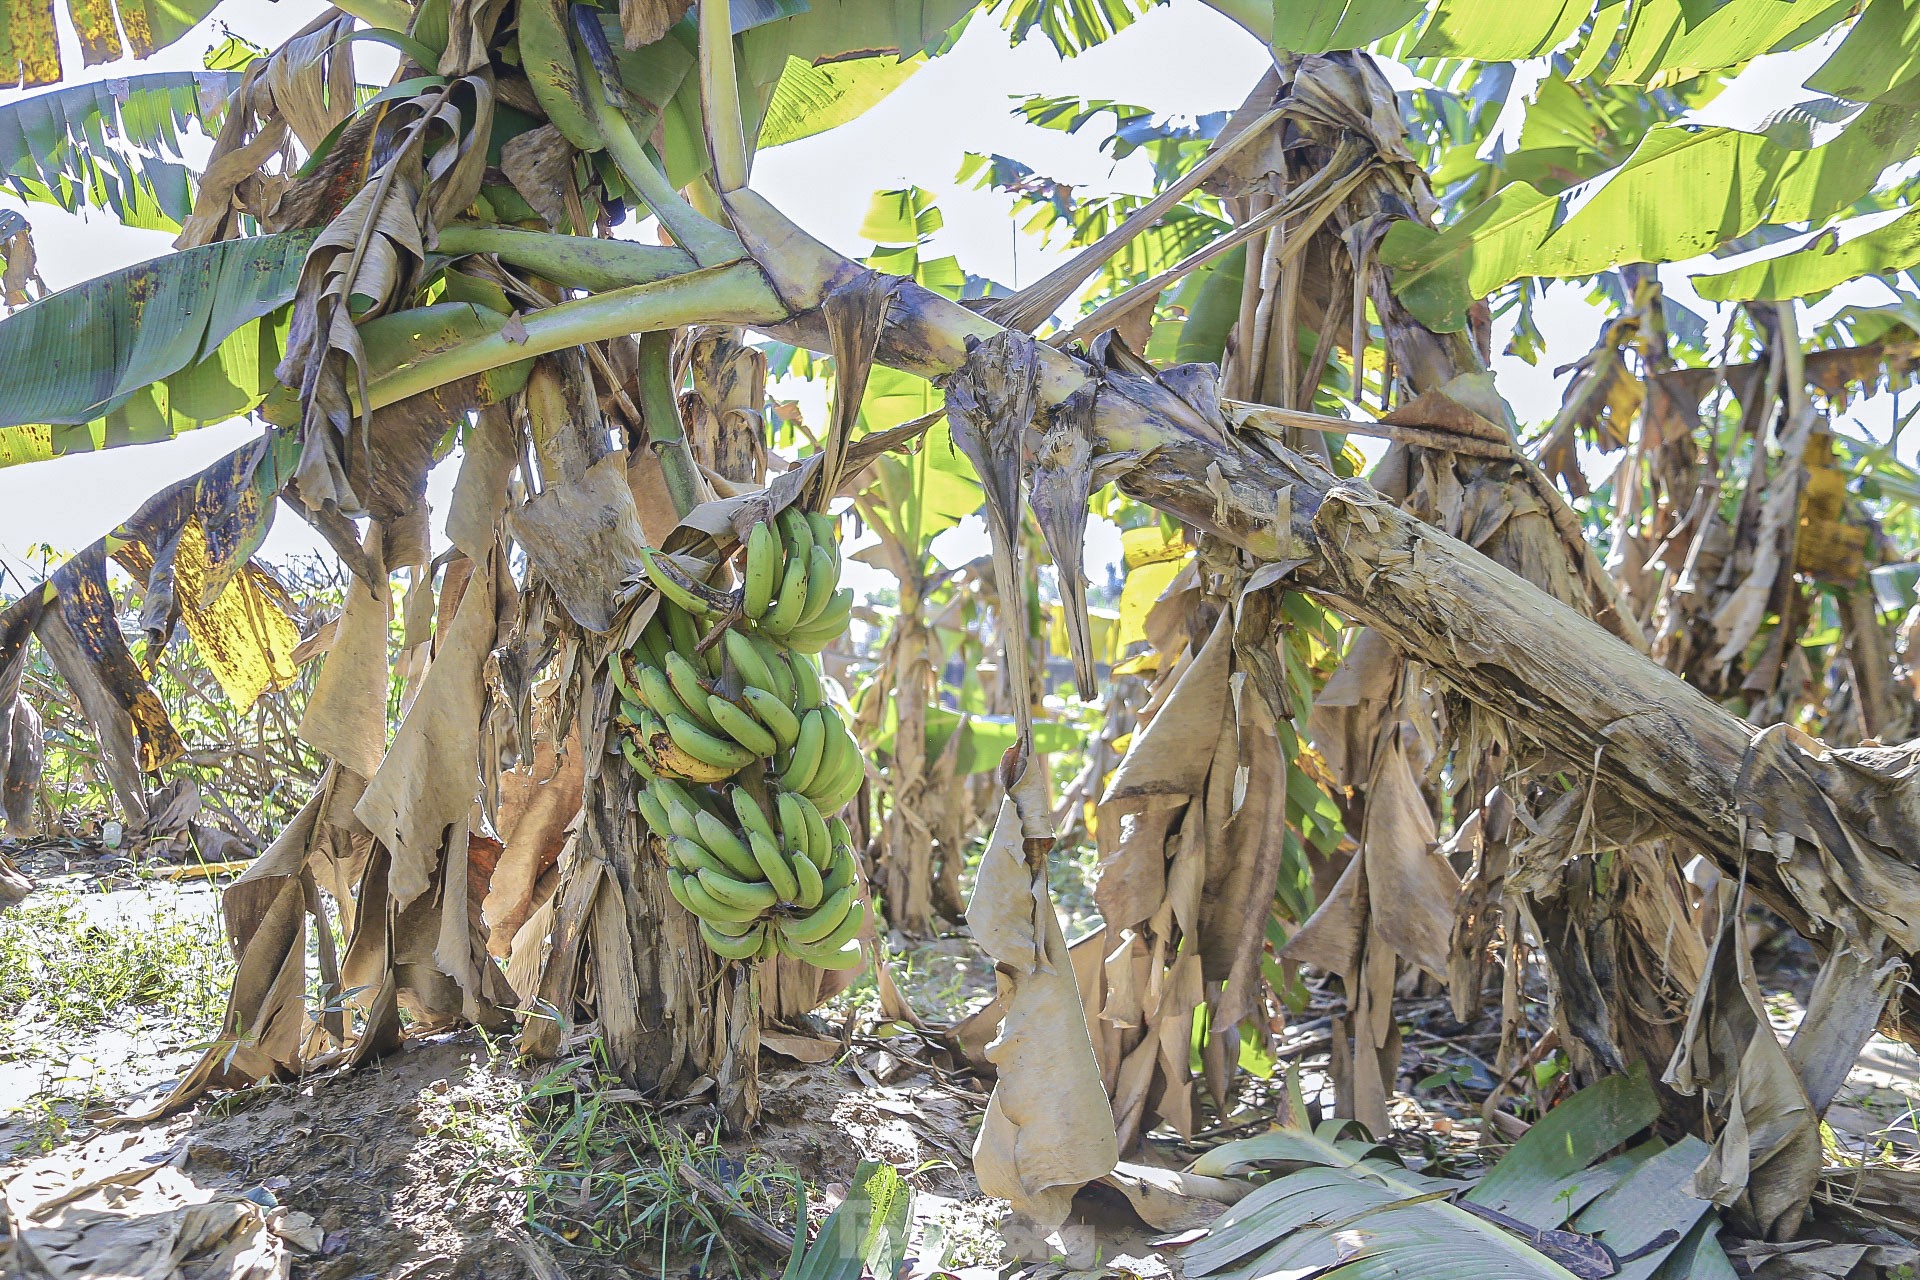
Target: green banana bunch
717, 683
704, 713
779, 881
790, 581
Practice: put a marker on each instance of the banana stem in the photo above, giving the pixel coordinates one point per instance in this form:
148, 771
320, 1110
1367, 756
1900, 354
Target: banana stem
709, 244
720, 96
732, 294
666, 433
572, 262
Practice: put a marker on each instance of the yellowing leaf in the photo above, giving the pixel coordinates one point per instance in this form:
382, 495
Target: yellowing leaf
245, 639
1142, 587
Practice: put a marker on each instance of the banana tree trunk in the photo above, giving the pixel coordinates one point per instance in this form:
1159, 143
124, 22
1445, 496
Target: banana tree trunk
906, 865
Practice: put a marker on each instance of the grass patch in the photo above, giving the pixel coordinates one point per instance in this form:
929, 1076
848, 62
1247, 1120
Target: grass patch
62, 971
600, 1172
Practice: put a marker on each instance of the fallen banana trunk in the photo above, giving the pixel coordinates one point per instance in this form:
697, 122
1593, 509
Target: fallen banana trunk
1830, 828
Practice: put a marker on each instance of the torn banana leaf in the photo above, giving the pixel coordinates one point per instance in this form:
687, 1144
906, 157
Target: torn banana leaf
1555, 1206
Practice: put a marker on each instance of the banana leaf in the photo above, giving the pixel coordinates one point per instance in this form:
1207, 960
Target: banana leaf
30, 41
147, 352
1556, 1206
113, 144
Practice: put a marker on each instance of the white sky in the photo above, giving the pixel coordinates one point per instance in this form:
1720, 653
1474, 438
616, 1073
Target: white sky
1183, 59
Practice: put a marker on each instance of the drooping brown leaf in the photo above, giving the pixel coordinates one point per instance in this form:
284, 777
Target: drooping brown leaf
644, 21
538, 802
429, 780
366, 264
1049, 1128
346, 717
1766, 1158
300, 91
86, 607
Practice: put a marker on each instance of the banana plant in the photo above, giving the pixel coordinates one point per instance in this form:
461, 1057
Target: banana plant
454, 285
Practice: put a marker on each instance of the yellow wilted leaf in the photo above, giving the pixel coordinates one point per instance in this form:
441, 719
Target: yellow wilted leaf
1103, 628
246, 640
1143, 586
1150, 545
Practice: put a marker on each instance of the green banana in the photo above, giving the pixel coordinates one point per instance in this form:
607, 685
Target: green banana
743, 895
782, 683
747, 809
838, 751
833, 796
785, 610
737, 723
682, 820
838, 833
683, 633
660, 695
807, 692
796, 534
822, 920
677, 886
776, 715
665, 753
747, 658
793, 821
826, 954
688, 683
651, 648
840, 870
710, 749
629, 711
774, 866
696, 898
826, 533
725, 844
737, 928
673, 584
653, 812
818, 847
672, 793
809, 887
830, 626
745, 947
625, 676
847, 931
807, 748
632, 753
762, 571
693, 857
822, 577
769, 944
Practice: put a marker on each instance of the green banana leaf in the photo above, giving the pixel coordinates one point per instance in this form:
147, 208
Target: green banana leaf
113, 144
1556, 1206
147, 352
1663, 41
88, 370
1683, 192
809, 99
1818, 265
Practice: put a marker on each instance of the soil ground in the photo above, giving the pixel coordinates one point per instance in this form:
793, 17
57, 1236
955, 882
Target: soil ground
453, 1159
